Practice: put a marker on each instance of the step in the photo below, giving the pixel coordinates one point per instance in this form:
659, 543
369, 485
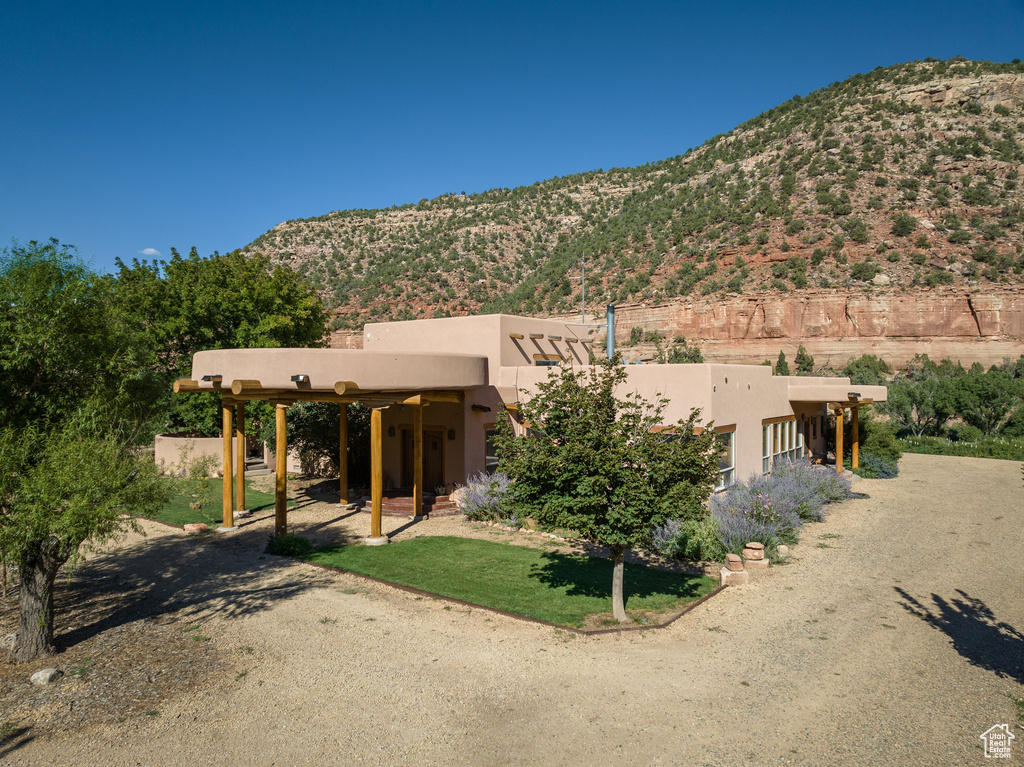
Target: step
257, 472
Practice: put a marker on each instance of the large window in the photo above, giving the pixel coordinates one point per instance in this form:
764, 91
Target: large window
726, 459
782, 440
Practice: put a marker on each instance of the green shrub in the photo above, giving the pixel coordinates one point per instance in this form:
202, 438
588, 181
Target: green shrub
879, 439
289, 546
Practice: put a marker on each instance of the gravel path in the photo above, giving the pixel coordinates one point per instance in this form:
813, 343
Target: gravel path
895, 637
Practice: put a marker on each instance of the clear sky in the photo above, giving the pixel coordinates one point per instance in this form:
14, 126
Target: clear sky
136, 126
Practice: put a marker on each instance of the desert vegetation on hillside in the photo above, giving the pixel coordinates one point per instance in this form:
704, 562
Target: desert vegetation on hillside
906, 177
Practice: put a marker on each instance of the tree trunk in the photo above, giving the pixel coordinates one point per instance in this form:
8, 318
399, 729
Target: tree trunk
618, 606
35, 605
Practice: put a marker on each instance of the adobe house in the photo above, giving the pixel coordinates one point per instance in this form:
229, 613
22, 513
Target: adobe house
436, 387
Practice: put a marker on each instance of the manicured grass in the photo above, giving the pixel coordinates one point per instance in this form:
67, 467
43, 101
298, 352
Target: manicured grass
550, 586
177, 511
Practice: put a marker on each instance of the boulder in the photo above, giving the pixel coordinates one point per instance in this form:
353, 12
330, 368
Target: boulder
46, 676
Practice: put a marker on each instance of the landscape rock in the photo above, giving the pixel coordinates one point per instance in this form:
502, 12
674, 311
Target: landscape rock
729, 577
734, 563
880, 279
46, 676
195, 528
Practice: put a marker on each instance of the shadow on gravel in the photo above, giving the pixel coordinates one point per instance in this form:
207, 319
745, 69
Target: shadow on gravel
13, 738
974, 632
158, 577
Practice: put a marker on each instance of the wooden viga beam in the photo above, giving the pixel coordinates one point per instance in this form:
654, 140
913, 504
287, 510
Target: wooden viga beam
184, 385
245, 386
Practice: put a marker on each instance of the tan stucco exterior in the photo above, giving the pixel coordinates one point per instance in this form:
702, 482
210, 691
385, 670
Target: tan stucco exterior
491, 361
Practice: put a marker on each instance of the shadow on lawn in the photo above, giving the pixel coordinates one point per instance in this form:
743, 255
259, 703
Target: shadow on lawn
974, 632
592, 577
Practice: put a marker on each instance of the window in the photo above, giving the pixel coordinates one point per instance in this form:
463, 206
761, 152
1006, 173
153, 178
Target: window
726, 459
546, 360
782, 440
490, 451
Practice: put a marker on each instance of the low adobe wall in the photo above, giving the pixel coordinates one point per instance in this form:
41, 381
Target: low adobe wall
171, 450
169, 453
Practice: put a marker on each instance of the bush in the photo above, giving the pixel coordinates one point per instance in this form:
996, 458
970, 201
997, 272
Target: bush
879, 439
808, 487
744, 514
289, 546
771, 508
688, 539
968, 433
876, 467
485, 498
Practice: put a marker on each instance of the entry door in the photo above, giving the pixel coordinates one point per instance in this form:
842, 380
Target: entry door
433, 458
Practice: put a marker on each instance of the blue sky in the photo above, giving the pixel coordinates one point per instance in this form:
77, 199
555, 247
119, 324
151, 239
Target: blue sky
130, 126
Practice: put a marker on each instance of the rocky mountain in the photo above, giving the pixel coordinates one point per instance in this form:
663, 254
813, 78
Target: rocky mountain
889, 186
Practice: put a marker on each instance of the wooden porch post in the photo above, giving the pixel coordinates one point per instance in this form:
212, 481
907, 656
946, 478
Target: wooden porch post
855, 436
343, 455
376, 476
417, 460
281, 471
228, 508
839, 440
240, 457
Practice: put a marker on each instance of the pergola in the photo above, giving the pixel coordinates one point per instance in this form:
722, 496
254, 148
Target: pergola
282, 377
837, 399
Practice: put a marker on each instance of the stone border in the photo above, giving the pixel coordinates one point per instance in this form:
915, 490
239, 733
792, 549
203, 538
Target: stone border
538, 621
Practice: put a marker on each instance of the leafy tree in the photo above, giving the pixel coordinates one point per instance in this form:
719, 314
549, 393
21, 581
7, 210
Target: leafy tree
781, 366
73, 404
921, 407
867, 370
592, 462
227, 301
985, 400
313, 433
804, 361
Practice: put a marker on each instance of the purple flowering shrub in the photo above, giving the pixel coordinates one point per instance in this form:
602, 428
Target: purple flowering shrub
747, 512
484, 497
824, 482
771, 508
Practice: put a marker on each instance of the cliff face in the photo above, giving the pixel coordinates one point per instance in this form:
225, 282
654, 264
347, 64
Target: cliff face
834, 326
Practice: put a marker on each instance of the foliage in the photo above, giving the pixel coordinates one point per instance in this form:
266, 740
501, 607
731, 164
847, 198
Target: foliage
484, 497
289, 546
681, 352
561, 588
197, 478
986, 399
781, 366
313, 431
804, 361
920, 407
73, 406
867, 370
876, 467
230, 301
879, 439
1011, 449
594, 463
694, 539
771, 508
63, 342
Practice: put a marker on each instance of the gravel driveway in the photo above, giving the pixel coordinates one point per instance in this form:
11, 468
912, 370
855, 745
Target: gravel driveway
894, 637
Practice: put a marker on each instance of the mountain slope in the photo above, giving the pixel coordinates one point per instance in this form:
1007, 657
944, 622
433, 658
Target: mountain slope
902, 178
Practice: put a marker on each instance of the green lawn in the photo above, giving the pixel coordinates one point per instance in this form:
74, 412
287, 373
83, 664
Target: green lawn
177, 511
550, 586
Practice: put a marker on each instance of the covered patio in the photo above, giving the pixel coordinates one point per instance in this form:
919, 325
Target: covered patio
283, 377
